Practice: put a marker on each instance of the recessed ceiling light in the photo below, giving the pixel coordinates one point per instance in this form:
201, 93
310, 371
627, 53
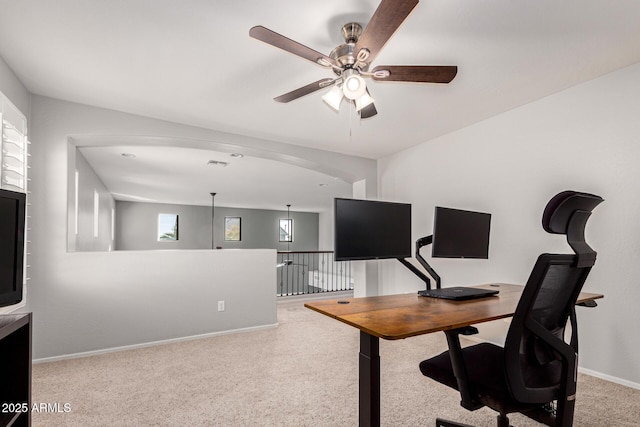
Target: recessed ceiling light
128, 155
237, 155
217, 163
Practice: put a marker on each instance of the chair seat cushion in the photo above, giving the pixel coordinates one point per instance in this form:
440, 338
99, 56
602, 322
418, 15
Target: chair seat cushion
486, 376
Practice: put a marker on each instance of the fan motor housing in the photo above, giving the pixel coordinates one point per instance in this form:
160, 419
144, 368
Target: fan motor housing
343, 54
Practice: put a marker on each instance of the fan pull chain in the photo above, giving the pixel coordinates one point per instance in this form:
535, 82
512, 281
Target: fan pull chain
350, 123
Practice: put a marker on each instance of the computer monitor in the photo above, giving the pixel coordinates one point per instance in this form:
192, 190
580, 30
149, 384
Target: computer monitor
12, 224
460, 234
368, 229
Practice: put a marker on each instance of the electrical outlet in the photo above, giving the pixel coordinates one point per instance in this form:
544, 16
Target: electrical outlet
220, 305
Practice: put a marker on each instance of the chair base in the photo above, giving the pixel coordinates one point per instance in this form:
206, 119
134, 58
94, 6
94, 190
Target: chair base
503, 421
444, 423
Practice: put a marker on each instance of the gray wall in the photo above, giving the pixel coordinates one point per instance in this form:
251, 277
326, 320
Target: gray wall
260, 229
136, 227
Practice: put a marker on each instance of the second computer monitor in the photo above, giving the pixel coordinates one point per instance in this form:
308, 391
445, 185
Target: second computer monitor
460, 234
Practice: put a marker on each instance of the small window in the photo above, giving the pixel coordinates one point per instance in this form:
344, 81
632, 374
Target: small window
232, 228
286, 230
167, 227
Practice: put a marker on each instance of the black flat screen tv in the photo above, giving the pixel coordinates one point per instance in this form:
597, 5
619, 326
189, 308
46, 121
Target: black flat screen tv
460, 234
12, 222
368, 229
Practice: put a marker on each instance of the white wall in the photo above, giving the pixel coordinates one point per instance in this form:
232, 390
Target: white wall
82, 236
115, 299
325, 230
13, 88
586, 138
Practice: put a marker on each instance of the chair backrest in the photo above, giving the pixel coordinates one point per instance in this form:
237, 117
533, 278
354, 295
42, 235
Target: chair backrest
536, 354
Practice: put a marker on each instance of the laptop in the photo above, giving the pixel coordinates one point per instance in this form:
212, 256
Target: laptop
458, 293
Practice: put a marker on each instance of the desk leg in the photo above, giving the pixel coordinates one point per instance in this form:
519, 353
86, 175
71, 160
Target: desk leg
369, 410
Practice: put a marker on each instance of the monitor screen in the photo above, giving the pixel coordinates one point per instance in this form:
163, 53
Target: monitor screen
460, 234
368, 229
12, 220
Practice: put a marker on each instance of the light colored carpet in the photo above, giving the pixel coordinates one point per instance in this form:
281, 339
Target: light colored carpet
303, 373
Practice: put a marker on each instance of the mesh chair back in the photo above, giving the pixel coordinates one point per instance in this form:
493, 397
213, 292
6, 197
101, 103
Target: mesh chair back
534, 367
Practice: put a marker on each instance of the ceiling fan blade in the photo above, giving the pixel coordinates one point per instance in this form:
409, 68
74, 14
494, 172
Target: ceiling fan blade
415, 73
368, 111
274, 39
383, 24
305, 90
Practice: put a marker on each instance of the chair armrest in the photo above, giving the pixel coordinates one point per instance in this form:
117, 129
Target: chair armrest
589, 304
567, 352
459, 369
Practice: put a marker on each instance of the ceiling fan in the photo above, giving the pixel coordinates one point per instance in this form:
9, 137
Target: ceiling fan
351, 61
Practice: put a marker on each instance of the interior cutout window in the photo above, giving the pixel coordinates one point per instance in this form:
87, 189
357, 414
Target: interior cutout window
167, 227
286, 230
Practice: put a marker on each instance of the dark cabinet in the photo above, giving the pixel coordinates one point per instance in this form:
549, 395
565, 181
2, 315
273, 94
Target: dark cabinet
15, 370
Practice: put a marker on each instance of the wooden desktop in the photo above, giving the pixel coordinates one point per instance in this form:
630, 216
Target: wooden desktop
394, 317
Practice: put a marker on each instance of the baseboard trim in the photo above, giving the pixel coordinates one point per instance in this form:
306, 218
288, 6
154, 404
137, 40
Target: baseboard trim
150, 344
610, 378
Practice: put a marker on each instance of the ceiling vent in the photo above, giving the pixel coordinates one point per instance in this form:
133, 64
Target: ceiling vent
217, 163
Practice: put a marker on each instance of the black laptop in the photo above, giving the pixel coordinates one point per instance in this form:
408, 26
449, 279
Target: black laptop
458, 293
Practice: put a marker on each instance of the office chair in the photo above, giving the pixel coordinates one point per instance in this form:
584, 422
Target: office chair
535, 373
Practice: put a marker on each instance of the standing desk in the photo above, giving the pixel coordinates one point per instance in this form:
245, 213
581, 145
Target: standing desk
394, 317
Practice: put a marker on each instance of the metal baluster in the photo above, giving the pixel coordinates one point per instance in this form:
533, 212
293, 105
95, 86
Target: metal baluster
312, 267
350, 275
321, 263
280, 272
334, 275
287, 278
305, 275
340, 276
300, 283
327, 270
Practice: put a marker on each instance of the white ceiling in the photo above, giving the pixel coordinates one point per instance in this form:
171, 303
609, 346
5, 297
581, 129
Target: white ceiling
193, 62
188, 179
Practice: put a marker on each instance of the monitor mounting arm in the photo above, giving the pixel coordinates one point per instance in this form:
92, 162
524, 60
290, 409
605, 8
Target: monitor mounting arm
423, 241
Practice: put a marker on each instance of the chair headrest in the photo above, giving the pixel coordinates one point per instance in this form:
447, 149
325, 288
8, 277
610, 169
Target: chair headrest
567, 213
561, 208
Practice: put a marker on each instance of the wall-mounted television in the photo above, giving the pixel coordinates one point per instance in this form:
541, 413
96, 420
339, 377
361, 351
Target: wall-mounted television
12, 223
369, 229
460, 234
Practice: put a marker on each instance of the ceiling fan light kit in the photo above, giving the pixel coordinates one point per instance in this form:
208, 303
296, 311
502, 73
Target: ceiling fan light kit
364, 101
334, 97
350, 61
354, 85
